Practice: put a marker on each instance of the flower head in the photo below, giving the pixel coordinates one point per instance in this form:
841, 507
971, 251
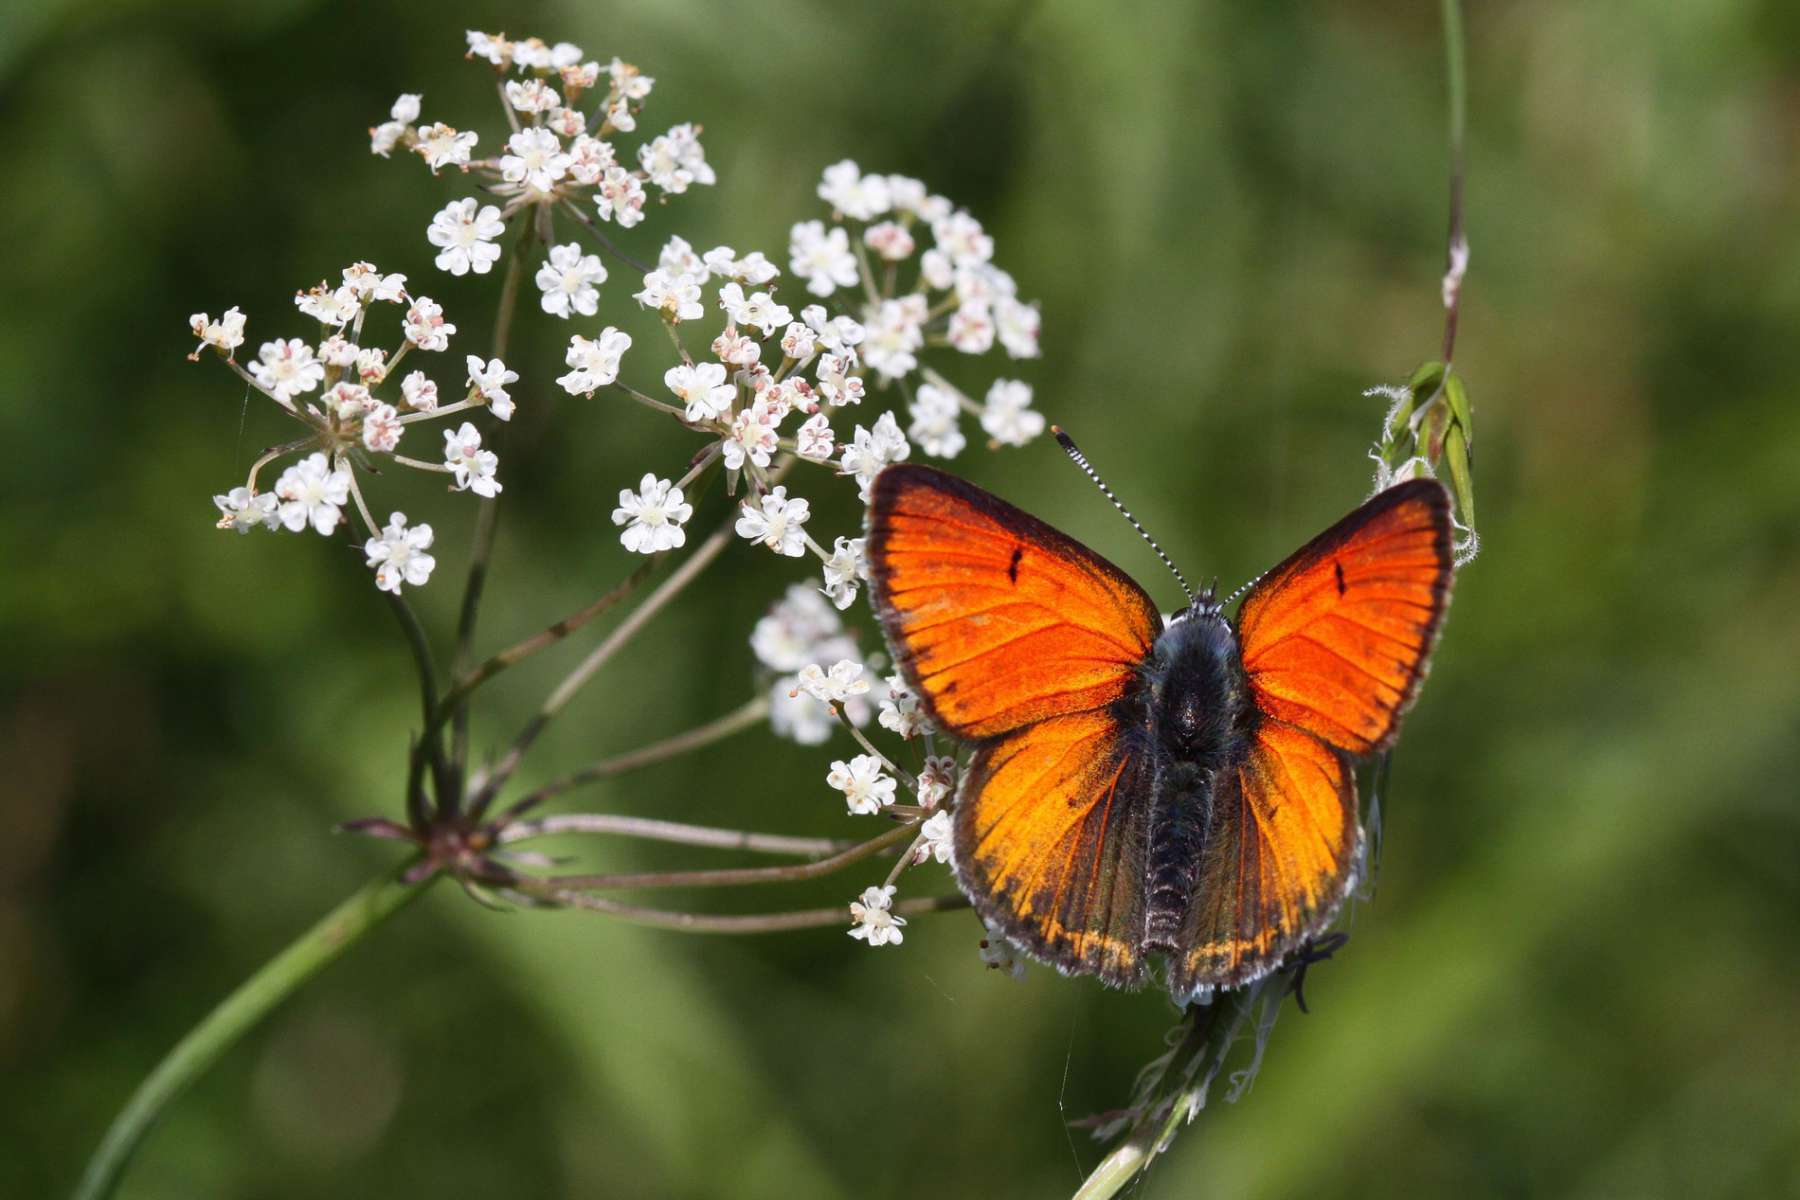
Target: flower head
595, 361
834, 686
535, 158
934, 839
489, 381
1007, 415
569, 281
472, 467
876, 923
702, 388
399, 554
866, 785
243, 510
653, 516
287, 369
464, 234
225, 335
425, 326
313, 493
776, 521
858, 196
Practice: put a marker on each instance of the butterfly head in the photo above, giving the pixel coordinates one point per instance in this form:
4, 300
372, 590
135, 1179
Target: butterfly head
1204, 605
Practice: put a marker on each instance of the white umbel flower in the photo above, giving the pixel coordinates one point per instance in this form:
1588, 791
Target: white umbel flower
464, 233
652, 516
489, 379
876, 923
312, 493
834, 686
777, 522
569, 281
1007, 415
243, 510
595, 361
399, 554
867, 787
472, 467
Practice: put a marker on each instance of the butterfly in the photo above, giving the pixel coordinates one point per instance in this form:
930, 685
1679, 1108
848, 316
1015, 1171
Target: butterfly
1139, 791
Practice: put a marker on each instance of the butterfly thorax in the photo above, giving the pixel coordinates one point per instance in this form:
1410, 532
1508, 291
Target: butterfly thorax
1201, 724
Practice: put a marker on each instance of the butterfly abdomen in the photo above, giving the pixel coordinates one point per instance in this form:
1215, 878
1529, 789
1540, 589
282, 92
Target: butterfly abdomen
1202, 728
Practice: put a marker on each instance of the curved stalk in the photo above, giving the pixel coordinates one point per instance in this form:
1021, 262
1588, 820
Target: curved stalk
235, 1016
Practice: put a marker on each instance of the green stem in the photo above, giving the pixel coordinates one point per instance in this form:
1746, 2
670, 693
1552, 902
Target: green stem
278, 979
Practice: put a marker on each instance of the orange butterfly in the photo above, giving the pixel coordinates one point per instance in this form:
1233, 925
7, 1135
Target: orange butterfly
1136, 790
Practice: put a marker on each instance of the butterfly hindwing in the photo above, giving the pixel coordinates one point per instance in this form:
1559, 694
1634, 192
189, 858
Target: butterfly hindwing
1279, 859
1335, 639
1051, 829
997, 619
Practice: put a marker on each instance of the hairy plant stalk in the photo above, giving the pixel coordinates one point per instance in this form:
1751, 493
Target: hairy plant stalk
690, 569
487, 517
652, 829
686, 922
735, 876
278, 979
735, 721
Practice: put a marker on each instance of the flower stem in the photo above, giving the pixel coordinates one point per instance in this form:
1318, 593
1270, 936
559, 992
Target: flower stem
777, 922
740, 718
278, 979
732, 876
486, 518
653, 829
1459, 120
696, 562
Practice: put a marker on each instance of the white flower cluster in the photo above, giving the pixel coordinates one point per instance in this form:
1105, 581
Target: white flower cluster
881, 294
564, 113
822, 680
774, 381
358, 416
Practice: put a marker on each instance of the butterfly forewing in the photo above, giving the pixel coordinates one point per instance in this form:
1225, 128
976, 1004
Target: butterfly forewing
997, 619
1335, 639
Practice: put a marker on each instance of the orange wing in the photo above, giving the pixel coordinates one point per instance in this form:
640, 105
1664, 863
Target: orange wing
1335, 639
1279, 860
997, 619
1051, 834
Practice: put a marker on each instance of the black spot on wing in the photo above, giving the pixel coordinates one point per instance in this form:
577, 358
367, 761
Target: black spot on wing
1338, 567
1012, 568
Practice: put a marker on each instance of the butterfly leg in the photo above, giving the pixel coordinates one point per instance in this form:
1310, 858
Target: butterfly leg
1315, 951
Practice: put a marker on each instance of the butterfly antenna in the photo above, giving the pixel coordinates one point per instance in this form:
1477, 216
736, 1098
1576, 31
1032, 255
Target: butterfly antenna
1087, 468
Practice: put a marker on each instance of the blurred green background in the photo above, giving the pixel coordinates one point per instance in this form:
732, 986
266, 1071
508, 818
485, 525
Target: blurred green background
1579, 975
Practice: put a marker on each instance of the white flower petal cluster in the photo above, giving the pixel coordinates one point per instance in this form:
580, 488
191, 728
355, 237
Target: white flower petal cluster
399, 555
313, 492
776, 521
935, 840
866, 785
595, 361
799, 630
570, 282
464, 233
653, 516
473, 468
1007, 415
871, 449
875, 922
835, 685
488, 380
